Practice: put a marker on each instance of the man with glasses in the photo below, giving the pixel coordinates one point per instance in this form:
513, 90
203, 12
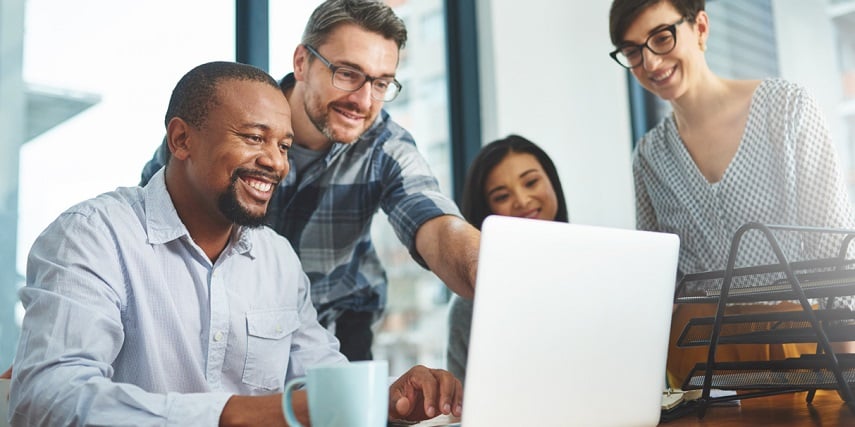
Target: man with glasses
349, 159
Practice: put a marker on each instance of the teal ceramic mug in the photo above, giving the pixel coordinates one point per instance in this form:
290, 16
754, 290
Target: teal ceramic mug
355, 394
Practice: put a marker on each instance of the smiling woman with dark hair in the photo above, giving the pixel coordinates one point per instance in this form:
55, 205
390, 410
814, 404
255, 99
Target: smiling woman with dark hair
476, 203
509, 177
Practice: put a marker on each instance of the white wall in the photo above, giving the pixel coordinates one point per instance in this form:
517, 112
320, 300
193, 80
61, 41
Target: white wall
547, 76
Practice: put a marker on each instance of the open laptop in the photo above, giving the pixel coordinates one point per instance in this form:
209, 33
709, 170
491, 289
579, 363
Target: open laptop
570, 325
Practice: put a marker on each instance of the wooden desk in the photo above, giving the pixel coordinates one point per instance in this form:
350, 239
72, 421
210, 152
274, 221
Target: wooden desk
783, 410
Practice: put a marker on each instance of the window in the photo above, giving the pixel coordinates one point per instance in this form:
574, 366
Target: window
97, 76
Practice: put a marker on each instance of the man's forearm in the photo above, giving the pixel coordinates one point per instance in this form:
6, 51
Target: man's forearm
449, 246
262, 410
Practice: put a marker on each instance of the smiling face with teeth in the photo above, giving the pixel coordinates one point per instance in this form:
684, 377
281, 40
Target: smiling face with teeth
323, 113
234, 160
518, 186
669, 76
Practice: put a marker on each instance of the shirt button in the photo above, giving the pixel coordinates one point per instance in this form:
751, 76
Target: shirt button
218, 336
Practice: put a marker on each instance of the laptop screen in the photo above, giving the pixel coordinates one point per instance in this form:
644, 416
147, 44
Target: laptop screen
569, 319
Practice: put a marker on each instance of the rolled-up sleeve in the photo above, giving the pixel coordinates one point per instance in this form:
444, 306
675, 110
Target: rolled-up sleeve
411, 194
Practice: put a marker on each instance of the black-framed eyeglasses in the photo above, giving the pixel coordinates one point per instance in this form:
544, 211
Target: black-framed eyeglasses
661, 42
351, 80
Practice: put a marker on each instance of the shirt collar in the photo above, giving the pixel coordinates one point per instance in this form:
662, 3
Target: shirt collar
163, 224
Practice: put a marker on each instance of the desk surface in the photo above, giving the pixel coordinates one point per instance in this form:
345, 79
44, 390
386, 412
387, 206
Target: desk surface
780, 410
783, 410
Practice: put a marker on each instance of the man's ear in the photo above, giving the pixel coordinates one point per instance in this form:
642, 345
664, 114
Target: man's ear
178, 138
301, 62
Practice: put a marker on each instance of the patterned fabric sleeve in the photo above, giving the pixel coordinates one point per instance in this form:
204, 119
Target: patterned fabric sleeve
411, 194
645, 216
822, 198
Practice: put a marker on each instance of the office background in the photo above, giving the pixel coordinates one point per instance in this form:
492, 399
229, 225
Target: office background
84, 85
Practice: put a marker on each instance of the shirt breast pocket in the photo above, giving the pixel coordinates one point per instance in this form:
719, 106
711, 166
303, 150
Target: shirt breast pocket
268, 347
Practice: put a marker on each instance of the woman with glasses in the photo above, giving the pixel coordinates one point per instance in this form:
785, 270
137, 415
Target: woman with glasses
731, 152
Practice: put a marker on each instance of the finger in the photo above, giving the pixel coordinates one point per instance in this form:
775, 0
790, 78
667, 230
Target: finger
398, 403
447, 389
451, 392
401, 398
457, 409
403, 407
429, 386
421, 387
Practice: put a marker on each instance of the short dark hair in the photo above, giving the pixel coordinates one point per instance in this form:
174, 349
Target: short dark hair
371, 15
474, 205
196, 92
624, 12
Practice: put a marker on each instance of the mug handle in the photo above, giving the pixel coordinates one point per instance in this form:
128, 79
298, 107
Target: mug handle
286, 401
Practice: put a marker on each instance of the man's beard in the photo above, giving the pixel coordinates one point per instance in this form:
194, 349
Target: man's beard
322, 124
234, 211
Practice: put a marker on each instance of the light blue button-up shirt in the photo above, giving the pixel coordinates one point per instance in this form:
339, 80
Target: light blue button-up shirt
129, 323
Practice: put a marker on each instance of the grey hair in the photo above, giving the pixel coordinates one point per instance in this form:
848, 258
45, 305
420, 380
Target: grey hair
371, 15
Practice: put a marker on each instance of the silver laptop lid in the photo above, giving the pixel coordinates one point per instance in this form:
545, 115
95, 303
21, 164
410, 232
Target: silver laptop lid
570, 325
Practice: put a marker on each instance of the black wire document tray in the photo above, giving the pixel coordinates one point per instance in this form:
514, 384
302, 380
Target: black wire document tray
769, 328
808, 372
815, 284
809, 283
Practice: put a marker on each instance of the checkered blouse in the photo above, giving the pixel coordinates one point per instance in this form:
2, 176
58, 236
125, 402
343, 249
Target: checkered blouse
784, 172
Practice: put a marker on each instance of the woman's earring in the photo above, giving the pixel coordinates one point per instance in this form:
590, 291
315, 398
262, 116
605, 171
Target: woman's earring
702, 45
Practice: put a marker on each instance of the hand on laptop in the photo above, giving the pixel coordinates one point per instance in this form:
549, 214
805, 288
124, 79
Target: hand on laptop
423, 393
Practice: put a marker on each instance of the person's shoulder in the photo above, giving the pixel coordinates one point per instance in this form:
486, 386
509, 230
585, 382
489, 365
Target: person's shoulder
655, 138
776, 90
120, 200
387, 142
387, 132
782, 101
118, 209
778, 83
287, 82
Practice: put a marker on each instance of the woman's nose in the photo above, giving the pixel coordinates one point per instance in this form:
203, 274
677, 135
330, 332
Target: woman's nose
519, 199
649, 59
